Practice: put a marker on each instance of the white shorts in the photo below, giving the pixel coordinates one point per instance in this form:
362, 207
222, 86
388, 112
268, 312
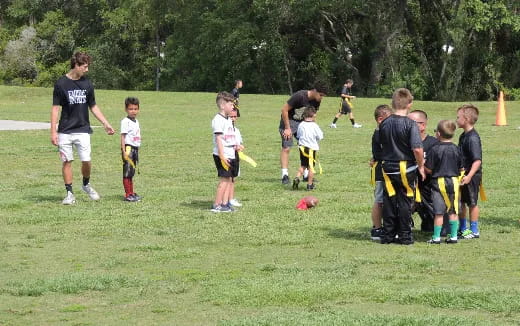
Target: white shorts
67, 141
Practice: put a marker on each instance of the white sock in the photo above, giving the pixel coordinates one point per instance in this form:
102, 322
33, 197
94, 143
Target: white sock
305, 173
285, 172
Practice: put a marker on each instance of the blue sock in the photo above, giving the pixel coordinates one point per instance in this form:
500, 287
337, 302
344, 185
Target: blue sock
474, 227
462, 222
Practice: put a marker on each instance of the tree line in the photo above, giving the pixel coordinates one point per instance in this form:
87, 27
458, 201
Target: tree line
440, 49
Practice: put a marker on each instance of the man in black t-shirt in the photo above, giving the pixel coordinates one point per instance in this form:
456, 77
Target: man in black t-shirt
290, 119
74, 95
424, 207
403, 157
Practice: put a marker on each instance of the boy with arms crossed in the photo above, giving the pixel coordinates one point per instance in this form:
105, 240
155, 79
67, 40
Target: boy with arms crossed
403, 157
444, 163
471, 149
224, 146
130, 143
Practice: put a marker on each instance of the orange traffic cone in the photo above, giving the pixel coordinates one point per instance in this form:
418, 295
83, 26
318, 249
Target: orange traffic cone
501, 111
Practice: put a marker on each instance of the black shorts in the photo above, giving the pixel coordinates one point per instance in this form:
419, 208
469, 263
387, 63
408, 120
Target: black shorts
345, 108
304, 157
438, 201
231, 172
129, 167
469, 192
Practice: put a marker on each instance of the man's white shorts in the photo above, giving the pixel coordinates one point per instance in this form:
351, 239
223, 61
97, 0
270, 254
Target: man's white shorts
81, 141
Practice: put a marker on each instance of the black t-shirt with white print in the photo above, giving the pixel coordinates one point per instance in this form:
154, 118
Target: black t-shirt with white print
75, 98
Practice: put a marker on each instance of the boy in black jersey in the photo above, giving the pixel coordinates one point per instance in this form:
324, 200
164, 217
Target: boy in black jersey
424, 208
471, 149
291, 116
236, 94
403, 159
346, 105
381, 113
444, 163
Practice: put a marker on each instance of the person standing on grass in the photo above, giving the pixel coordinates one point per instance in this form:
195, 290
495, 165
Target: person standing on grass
425, 207
74, 95
224, 148
381, 113
236, 94
403, 158
291, 116
130, 143
238, 148
444, 163
309, 134
346, 105
471, 148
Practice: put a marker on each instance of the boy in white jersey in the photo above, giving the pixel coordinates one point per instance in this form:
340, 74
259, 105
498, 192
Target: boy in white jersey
130, 143
309, 134
224, 147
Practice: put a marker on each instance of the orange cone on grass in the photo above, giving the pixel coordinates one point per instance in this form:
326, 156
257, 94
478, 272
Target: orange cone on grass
501, 111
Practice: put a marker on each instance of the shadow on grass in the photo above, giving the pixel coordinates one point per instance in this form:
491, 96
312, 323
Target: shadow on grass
204, 205
363, 234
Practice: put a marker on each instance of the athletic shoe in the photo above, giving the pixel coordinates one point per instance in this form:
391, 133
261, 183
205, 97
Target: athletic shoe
131, 198
305, 179
376, 234
451, 241
234, 202
285, 179
356, 125
433, 241
69, 199
467, 234
220, 209
228, 206
137, 196
295, 183
311, 186
90, 192
476, 235
333, 126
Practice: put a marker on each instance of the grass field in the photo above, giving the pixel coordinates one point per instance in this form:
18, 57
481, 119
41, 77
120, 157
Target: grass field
169, 261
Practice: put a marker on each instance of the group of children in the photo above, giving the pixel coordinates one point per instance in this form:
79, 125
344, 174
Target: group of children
413, 170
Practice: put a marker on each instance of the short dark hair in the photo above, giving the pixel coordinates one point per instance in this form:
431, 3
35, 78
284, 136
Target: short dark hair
320, 87
424, 114
80, 58
309, 112
470, 112
446, 129
382, 110
349, 81
131, 100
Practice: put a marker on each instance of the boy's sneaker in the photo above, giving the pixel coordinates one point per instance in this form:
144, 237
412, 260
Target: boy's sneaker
90, 192
285, 179
375, 234
311, 186
433, 241
467, 234
235, 203
137, 197
333, 126
451, 241
295, 183
69, 199
229, 206
220, 209
357, 125
131, 198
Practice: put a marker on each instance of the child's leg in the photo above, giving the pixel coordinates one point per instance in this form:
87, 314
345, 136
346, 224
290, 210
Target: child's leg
300, 171
229, 193
310, 177
474, 212
454, 226
437, 227
462, 218
377, 214
128, 185
222, 187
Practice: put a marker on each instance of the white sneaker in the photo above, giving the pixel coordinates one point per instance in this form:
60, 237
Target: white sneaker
333, 125
90, 192
235, 203
357, 125
70, 199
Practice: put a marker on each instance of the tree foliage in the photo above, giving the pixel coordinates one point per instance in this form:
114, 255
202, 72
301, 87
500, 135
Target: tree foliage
440, 49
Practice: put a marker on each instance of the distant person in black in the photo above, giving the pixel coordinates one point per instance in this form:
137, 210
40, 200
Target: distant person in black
346, 105
236, 94
425, 207
74, 95
292, 115
403, 157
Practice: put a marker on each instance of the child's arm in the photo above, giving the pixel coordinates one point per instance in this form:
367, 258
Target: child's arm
474, 168
220, 147
123, 151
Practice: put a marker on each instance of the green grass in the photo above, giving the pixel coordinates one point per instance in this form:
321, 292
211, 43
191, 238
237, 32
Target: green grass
168, 260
